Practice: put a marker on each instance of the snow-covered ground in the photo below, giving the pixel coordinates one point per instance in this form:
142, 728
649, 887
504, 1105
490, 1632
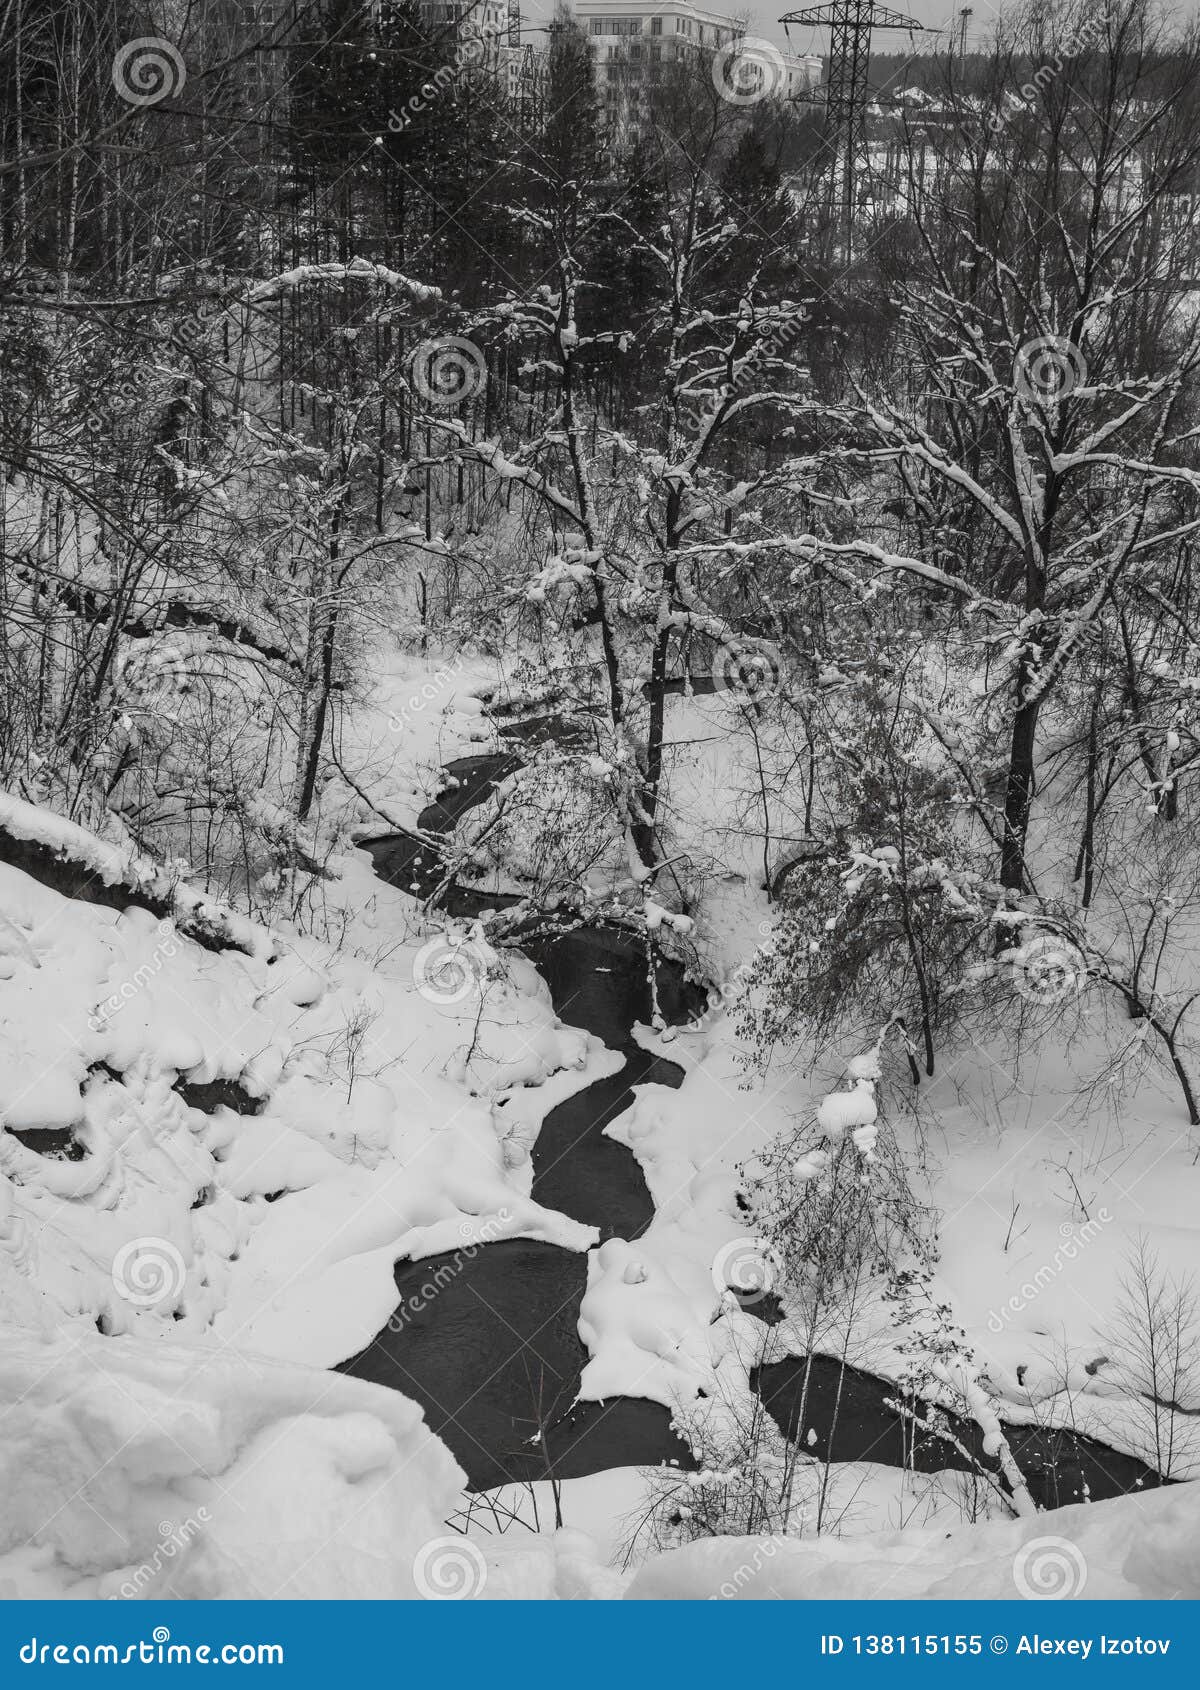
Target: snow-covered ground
1047, 1164
376, 1135
1145, 1547
145, 1470
138, 1470
228, 1257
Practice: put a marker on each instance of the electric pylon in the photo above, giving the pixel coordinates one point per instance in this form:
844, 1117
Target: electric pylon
851, 23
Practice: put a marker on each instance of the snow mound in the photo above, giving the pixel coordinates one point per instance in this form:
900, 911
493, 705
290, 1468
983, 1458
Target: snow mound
639, 1329
1144, 1547
242, 1143
134, 1469
121, 869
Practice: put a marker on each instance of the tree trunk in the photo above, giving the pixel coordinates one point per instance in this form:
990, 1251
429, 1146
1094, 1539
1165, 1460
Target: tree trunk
1018, 794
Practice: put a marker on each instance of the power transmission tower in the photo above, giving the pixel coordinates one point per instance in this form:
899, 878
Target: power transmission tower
851, 24
515, 64
964, 17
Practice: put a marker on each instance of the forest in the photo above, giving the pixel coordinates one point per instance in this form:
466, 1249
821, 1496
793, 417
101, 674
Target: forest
599, 886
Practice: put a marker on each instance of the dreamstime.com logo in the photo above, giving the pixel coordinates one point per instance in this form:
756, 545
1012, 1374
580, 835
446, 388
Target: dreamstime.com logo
426, 694
749, 71
750, 669
450, 969
1074, 1241
148, 1271
747, 1571
122, 399
134, 398
1048, 968
747, 1269
173, 1540
165, 948
1049, 1569
149, 678
1047, 369
148, 70
447, 1272
733, 988
772, 345
156, 1651
473, 48
449, 1569
1090, 28
447, 370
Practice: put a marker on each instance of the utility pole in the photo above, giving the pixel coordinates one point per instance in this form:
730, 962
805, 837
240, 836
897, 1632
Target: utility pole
851, 24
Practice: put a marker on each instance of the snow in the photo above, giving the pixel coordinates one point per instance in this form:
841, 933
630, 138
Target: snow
655, 1316
847, 1111
655, 916
421, 713
227, 1255
136, 1469
115, 866
638, 1328
242, 1079
605, 1507
380, 1134
1133, 1548
392, 1124
358, 269
988, 1135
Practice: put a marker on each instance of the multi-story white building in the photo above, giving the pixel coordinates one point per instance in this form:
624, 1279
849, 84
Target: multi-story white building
487, 16
482, 35
665, 21
631, 43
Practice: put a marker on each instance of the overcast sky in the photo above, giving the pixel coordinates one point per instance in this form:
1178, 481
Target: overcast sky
937, 15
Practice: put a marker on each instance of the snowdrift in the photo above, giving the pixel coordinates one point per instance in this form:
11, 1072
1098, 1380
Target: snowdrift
1145, 1547
242, 1142
133, 1469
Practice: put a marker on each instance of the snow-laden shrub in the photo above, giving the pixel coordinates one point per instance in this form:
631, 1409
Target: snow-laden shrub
552, 826
889, 904
833, 1197
750, 1480
867, 928
941, 1370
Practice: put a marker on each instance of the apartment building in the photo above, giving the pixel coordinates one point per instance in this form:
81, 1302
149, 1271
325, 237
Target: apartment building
631, 43
482, 32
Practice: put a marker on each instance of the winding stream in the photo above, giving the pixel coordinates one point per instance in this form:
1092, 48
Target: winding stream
489, 1346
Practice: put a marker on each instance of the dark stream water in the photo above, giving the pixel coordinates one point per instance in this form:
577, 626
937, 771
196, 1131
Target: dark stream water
847, 1417
489, 1346
494, 1354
